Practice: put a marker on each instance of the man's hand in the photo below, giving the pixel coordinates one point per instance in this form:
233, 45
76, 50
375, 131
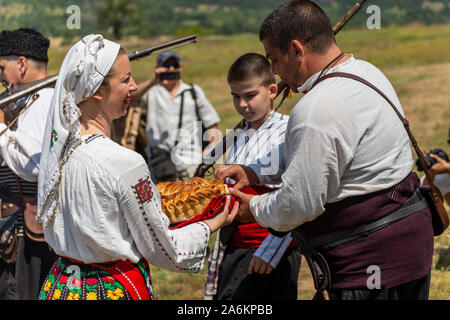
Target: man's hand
156, 77
441, 166
244, 214
143, 87
244, 176
258, 265
2, 116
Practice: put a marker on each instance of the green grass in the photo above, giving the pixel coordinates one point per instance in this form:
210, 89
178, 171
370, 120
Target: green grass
415, 58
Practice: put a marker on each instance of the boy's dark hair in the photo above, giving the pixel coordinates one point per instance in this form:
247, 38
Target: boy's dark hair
301, 20
250, 66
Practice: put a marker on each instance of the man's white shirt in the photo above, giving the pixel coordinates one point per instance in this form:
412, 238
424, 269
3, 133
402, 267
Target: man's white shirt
163, 114
343, 139
21, 148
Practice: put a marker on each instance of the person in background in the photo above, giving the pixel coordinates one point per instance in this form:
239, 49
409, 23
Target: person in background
179, 120
441, 173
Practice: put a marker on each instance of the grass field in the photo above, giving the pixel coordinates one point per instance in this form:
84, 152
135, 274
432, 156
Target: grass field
415, 58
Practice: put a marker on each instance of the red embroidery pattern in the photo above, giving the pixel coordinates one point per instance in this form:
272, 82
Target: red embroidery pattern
143, 191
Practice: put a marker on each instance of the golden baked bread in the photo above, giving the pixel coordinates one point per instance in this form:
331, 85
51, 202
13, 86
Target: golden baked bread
182, 200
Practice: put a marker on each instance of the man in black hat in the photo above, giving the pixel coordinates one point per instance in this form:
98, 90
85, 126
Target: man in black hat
27, 258
177, 116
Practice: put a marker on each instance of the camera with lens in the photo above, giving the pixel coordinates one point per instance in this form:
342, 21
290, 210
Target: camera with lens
431, 161
170, 76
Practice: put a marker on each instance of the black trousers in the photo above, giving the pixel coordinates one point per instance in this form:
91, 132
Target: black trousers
413, 290
23, 279
236, 284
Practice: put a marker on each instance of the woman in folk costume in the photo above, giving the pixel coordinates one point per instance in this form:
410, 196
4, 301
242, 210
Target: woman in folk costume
100, 211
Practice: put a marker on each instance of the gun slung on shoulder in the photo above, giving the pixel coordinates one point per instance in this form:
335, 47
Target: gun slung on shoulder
50, 81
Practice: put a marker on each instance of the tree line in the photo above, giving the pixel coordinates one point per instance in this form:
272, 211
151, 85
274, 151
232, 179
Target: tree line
148, 18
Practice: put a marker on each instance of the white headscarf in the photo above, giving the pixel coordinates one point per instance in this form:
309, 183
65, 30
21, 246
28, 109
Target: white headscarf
81, 74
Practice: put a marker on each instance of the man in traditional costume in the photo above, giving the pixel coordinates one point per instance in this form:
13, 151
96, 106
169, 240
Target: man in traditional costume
348, 164
25, 258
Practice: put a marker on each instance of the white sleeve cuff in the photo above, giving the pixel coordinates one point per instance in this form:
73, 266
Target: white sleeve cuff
272, 249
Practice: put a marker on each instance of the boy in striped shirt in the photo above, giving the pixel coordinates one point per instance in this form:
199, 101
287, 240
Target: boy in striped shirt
248, 262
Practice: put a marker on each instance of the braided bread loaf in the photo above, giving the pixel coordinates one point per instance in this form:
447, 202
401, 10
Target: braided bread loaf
182, 200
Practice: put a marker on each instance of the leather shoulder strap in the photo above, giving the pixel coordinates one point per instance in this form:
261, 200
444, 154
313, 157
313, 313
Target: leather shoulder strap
435, 191
194, 96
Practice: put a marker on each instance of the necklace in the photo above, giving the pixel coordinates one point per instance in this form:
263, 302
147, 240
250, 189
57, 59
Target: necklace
328, 66
331, 64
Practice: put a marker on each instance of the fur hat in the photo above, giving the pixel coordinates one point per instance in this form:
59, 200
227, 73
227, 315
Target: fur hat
24, 42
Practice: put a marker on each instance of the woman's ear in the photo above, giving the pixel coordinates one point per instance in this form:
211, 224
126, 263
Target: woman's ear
99, 94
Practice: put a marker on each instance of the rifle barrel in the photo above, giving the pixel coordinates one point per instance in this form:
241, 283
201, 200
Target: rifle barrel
348, 16
176, 42
50, 81
47, 82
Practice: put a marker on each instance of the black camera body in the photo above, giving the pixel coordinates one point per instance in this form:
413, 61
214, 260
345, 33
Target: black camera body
170, 75
439, 152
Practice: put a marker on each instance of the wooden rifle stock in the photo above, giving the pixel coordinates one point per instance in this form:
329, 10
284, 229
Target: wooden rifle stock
132, 123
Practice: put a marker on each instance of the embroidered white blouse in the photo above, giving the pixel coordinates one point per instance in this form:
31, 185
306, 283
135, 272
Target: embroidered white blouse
109, 209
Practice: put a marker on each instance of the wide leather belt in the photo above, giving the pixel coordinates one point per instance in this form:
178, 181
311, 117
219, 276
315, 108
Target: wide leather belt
413, 205
28, 205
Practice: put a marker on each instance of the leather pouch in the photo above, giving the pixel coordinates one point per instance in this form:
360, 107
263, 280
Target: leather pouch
439, 214
8, 238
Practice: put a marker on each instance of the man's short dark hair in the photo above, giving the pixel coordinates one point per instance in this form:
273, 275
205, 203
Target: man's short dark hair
301, 20
251, 66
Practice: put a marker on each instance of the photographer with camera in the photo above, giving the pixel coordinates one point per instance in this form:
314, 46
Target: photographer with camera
440, 169
177, 116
